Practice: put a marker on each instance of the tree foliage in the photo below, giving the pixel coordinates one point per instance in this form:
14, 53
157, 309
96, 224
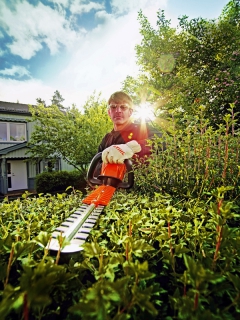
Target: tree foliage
72, 134
57, 100
197, 63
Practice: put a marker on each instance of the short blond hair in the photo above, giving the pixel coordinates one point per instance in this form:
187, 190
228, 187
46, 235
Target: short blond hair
119, 97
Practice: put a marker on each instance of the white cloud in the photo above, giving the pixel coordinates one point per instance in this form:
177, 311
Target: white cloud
105, 57
31, 26
29, 90
64, 3
18, 71
79, 7
24, 91
103, 16
100, 61
25, 49
124, 6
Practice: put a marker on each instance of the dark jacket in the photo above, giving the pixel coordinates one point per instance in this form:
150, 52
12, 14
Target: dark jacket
138, 132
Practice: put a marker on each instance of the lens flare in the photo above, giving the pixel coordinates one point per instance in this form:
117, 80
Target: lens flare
166, 63
144, 112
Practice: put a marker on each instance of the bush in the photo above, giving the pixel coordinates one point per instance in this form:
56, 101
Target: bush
197, 160
169, 249
59, 181
144, 259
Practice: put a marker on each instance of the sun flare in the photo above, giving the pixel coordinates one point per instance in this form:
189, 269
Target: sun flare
144, 112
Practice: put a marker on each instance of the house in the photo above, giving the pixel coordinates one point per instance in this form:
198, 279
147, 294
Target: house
17, 173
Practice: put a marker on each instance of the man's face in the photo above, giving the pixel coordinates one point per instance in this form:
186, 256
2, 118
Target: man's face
120, 113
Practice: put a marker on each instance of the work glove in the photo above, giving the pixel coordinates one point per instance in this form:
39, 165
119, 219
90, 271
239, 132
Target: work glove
118, 153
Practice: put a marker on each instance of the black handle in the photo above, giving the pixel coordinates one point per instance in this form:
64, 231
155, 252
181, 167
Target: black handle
95, 181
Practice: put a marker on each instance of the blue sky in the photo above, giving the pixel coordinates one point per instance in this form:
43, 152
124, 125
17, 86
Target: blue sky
77, 46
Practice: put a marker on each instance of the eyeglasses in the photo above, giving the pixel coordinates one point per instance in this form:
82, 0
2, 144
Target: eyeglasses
123, 107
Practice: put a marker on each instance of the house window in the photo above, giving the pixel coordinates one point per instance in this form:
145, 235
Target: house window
45, 165
9, 182
12, 131
3, 131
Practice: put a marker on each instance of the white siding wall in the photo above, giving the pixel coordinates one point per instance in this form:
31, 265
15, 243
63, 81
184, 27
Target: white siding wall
30, 129
65, 166
31, 169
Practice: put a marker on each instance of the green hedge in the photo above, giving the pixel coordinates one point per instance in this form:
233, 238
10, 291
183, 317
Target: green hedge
59, 181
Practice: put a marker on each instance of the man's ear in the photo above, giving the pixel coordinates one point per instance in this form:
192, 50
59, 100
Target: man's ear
131, 112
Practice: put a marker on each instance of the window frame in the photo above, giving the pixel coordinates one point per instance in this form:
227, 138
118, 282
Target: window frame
8, 131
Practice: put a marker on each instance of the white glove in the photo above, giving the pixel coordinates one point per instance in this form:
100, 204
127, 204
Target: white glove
118, 153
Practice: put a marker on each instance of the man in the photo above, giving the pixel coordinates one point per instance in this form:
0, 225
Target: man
127, 138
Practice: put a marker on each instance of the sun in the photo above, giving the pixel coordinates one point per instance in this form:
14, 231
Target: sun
144, 112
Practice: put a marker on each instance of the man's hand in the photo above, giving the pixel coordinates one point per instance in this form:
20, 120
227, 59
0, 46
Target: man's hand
118, 153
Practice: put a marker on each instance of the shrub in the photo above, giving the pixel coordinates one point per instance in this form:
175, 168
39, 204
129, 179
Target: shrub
170, 249
144, 259
59, 181
197, 160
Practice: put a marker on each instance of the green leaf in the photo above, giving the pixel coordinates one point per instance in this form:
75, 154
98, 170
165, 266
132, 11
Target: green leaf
43, 238
92, 249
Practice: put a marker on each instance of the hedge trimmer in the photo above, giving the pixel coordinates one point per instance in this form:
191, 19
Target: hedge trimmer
76, 228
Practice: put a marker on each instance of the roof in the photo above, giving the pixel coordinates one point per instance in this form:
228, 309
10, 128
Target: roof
11, 107
13, 148
12, 119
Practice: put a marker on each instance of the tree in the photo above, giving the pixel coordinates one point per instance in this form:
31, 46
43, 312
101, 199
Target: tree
40, 101
73, 135
212, 57
196, 64
57, 100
